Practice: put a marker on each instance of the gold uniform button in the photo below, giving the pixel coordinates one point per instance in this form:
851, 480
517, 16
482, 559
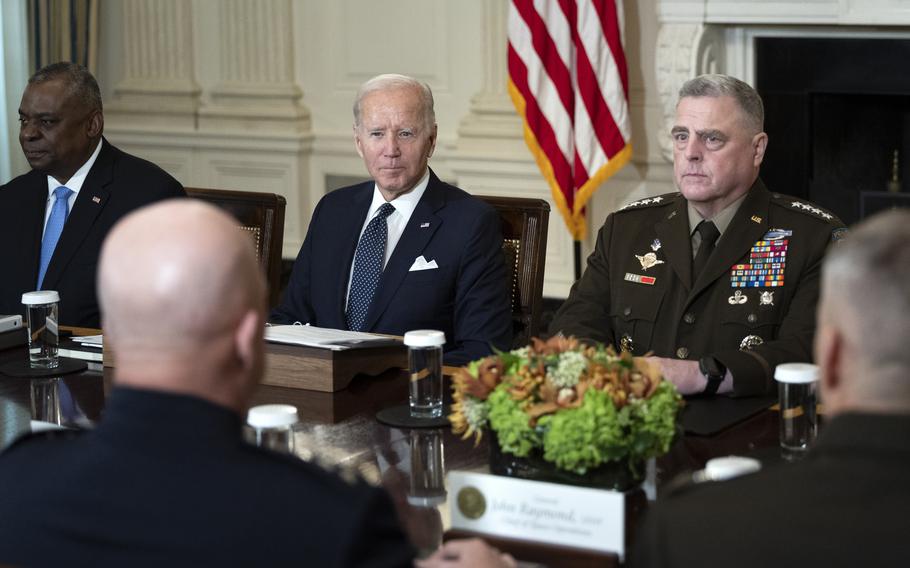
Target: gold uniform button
689, 318
627, 311
682, 352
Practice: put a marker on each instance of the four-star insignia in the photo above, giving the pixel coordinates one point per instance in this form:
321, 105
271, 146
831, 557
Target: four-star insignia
646, 201
811, 209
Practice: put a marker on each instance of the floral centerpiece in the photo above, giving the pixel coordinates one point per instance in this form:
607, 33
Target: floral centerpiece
560, 403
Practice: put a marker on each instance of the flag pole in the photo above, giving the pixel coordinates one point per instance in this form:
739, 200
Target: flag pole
577, 259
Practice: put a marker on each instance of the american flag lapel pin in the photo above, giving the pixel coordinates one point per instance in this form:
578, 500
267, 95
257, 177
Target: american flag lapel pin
96, 199
424, 225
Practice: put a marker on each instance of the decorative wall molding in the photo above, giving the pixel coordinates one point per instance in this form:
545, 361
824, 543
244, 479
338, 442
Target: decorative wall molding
257, 90
157, 86
683, 51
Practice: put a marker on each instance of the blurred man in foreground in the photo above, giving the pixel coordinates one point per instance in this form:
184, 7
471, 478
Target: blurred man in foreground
846, 504
54, 218
720, 280
165, 479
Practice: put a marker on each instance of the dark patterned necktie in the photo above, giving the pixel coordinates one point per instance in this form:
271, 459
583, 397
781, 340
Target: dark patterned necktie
367, 268
709, 234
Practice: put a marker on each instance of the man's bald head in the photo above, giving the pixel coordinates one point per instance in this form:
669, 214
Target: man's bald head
864, 332
177, 281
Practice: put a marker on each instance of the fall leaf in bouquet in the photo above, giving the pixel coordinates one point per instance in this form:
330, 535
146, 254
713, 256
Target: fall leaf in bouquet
489, 374
553, 346
527, 381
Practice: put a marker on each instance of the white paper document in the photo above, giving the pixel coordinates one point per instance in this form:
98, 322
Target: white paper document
90, 340
324, 338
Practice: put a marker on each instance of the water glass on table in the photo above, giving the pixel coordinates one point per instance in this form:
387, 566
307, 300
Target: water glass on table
43, 334
273, 426
798, 408
425, 366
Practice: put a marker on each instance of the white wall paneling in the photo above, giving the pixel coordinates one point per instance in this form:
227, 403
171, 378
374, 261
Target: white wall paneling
257, 94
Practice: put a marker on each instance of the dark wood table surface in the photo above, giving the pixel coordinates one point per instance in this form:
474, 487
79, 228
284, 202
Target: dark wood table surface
339, 430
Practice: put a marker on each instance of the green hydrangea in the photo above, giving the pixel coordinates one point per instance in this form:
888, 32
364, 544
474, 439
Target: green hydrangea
596, 432
585, 437
654, 422
510, 423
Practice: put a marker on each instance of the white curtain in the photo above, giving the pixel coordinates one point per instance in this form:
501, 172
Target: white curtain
14, 73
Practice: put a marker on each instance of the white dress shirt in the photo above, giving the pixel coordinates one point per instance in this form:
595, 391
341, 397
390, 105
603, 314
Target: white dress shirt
74, 183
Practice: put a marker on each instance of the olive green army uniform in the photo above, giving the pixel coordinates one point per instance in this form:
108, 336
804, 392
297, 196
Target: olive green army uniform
752, 307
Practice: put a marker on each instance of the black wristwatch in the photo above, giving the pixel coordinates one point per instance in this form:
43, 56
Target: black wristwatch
714, 371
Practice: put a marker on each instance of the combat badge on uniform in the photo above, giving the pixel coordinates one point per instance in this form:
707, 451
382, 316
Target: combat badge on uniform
648, 260
767, 260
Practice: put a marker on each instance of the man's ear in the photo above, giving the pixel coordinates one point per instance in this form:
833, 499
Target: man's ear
95, 124
829, 357
248, 340
759, 145
357, 142
433, 141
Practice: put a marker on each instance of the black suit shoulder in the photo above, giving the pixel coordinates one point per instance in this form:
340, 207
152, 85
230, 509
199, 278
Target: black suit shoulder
154, 181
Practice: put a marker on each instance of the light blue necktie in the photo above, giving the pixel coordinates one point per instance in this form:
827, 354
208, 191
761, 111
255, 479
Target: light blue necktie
54, 228
367, 268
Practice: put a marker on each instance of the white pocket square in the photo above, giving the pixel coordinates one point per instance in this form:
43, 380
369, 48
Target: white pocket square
420, 263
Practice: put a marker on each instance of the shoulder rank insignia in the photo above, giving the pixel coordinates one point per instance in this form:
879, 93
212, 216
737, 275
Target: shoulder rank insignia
809, 208
646, 201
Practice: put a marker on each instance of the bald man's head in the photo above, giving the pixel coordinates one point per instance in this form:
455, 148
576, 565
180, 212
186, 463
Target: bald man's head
177, 282
864, 331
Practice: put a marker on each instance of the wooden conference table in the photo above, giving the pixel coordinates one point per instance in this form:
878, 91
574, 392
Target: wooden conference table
339, 430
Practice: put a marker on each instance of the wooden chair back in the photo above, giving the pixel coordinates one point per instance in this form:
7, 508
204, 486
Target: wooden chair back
261, 215
524, 243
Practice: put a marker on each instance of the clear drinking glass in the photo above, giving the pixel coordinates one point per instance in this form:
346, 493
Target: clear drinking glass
427, 468
425, 365
43, 335
798, 402
45, 395
272, 426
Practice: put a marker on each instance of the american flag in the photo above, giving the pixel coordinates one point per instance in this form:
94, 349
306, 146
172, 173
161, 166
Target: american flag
569, 82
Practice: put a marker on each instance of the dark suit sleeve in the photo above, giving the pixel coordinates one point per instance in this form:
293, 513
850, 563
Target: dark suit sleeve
380, 541
753, 370
586, 312
295, 306
483, 315
648, 550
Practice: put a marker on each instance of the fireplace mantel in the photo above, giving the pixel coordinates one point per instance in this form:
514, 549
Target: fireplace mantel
717, 36
807, 12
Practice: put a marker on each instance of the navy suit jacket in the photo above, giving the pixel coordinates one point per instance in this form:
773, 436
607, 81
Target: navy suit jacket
117, 184
467, 297
166, 480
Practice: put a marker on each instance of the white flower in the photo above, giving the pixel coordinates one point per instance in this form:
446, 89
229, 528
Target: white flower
568, 370
521, 352
475, 412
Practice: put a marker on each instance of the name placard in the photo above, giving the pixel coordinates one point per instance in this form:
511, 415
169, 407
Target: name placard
534, 510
